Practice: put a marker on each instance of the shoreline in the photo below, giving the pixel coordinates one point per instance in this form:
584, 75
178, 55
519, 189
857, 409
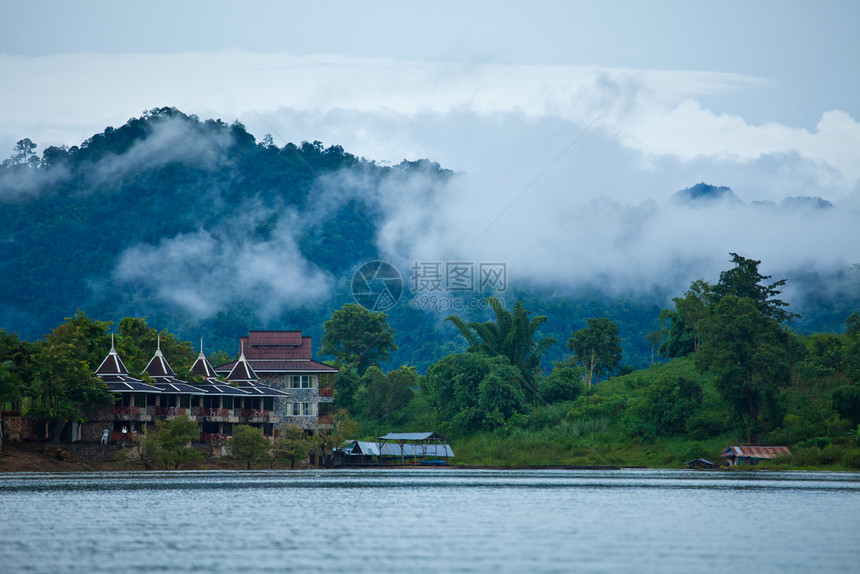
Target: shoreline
49, 457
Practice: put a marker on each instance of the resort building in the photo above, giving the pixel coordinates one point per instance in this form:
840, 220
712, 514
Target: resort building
282, 360
215, 405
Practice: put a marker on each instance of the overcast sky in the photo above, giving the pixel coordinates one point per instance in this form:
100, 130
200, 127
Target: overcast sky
574, 107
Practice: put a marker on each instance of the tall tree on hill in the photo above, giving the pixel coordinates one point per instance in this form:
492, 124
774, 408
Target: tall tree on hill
654, 338
512, 335
597, 348
358, 337
750, 354
682, 333
744, 280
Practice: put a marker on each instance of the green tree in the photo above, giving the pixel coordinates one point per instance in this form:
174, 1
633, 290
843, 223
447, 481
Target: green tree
138, 341
14, 368
668, 403
292, 443
172, 441
851, 348
91, 336
358, 337
383, 394
325, 440
564, 383
471, 391
511, 334
248, 445
846, 401
682, 332
10, 384
744, 280
25, 152
149, 450
346, 385
597, 348
63, 388
748, 352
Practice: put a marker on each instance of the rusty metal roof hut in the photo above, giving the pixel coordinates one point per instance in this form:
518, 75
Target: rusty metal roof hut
738, 455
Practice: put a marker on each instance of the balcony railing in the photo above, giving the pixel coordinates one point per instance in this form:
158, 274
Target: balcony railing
325, 420
254, 413
326, 392
204, 412
169, 411
120, 410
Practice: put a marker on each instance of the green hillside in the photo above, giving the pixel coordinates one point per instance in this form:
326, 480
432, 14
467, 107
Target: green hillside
167, 216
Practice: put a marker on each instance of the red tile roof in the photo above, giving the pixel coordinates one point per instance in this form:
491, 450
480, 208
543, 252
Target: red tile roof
278, 352
292, 366
275, 338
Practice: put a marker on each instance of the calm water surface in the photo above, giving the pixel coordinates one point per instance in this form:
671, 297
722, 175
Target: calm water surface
430, 520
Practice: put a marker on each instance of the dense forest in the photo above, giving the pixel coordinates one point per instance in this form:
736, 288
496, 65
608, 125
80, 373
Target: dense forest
207, 232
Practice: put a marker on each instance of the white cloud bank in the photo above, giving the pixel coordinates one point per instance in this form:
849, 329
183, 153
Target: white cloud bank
209, 270
655, 113
598, 216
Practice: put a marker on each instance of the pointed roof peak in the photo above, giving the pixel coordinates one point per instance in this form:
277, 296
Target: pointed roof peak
242, 371
202, 366
158, 367
112, 364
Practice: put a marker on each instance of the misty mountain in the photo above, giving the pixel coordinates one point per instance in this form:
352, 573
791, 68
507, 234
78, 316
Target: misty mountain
207, 232
806, 203
703, 194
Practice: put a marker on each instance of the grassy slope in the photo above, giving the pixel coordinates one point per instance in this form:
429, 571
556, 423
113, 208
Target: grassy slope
593, 432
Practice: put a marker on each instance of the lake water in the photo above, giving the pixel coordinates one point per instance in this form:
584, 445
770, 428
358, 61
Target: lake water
430, 520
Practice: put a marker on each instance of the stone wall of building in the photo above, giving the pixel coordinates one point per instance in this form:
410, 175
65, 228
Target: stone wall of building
20, 429
92, 432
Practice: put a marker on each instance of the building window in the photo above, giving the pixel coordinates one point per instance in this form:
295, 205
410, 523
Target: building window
303, 381
302, 409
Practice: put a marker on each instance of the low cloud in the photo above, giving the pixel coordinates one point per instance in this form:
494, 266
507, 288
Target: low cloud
564, 241
171, 140
209, 270
23, 182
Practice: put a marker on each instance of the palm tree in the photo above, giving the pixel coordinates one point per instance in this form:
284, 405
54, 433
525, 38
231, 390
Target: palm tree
512, 335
